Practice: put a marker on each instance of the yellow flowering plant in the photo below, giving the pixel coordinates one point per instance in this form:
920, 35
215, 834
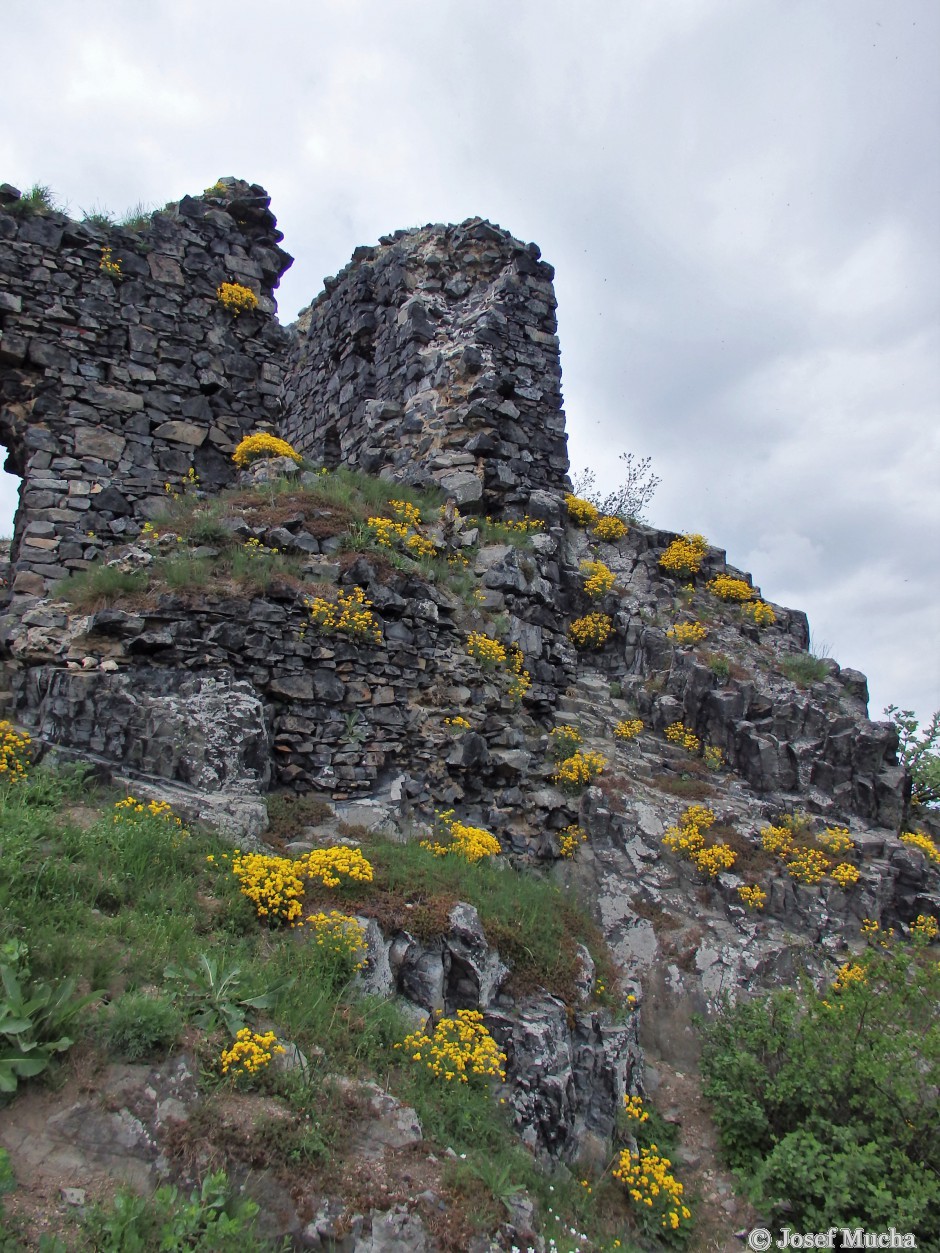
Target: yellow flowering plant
470, 844
249, 1055
563, 741
654, 1191
581, 511
687, 632
109, 264
628, 729
917, 839
262, 444
14, 753
346, 613
678, 733
752, 896
759, 612
340, 938
488, 652
684, 556
609, 528
726, 587
687, 838
598, 578
458, 1049
578, 770
592, 631
570, 840
925, 929
236, 298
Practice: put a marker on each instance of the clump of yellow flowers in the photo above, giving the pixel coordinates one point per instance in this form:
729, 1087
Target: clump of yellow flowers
808, 865
250, 1053
610, 528
725, 587
275, 885
570, 840
236, 298
836, 839
469, 843
519, 680
687, 839
459, 1048
679, 733
403, 529
14, 753
845, 874
917, 839
109, 264
132, 811
563, 741
578, 770
598, 578
684, 556
581, 511
687, 632
633, 1109
752, 896
925, 928
629, 729
848, 975
349, 613
649, 1182
488, 652
330, 866
760, 613
262, 444
339, 935
591, 631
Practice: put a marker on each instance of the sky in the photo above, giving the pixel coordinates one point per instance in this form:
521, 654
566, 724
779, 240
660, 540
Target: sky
741, 199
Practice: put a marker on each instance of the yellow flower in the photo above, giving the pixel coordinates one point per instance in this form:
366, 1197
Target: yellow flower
236, 298
628, 730
581, 511
684, 556
725, 587
610, 528
459, 1048
591, 631
262, 445
598, 578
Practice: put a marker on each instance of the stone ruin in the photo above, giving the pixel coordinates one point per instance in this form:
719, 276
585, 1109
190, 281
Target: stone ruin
431, 359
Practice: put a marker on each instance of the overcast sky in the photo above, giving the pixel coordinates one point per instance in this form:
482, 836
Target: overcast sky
740, 198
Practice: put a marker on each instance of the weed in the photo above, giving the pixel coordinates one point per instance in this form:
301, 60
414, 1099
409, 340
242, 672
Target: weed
35, 200
803, 669
100, 585
139, 1027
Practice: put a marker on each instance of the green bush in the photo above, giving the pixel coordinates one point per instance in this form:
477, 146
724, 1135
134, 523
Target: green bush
828, 1103
140, 1027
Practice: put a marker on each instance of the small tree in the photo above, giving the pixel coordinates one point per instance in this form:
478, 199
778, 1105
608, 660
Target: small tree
631, 499
920, 752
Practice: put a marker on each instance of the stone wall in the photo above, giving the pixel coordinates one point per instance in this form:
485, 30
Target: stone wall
433, 357
113, 384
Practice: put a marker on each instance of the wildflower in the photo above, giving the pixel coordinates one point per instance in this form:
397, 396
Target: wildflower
727, 588
687, 632
578, 770
14, 753
679, 733
598, 578
628, 730
471, 844
917, 839
250, 1053
581, 511
760, 613
236, 298
348, 613
610, 528
570, 839
109, 264
684, 556
752, 896
262, 444
458, 1048
591, 631
488, 652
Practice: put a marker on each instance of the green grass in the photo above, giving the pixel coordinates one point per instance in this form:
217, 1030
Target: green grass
803, 669
101, 585
117, 903
35, 200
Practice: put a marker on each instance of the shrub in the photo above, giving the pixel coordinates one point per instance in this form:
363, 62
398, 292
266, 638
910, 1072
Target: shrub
684, 556
563, 741
592, 631
679, 733
109, 264
631, 499
725, 587
35, 200
654, 1191
917, 839
488, 652
803, 669
570, 840
687, 839
236, 298
920, 752
253, 447
827, 1102
139, 1027
752, 896
629, 729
